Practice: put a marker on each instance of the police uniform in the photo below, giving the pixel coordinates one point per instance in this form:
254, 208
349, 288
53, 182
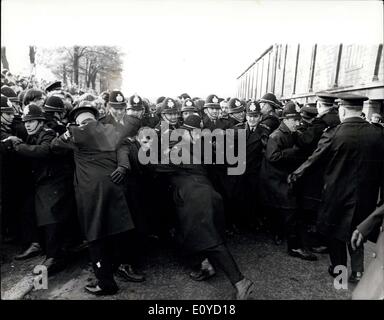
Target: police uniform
53, 202
354, 155
247, 189
199, 211
309, 188
212, 101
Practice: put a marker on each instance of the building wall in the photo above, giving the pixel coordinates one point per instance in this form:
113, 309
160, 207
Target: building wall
353, 72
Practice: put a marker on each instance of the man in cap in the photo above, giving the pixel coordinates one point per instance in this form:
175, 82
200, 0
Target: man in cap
53, 202
270, 120
53, 87
280, 158
353, 154
104, 222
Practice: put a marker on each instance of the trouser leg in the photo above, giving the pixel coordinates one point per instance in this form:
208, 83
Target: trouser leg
54, 235
28, 223
292, 227
357, 258
223, 259
337, 252
276, 222
102, 264
125, 248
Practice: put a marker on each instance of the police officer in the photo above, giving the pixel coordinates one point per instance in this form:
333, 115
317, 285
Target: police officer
281, 157
53, 87
53, 203
150, 117
211, 110
188, 108
169, 114
353, 153
199, 213
236, 112
309, 189
247, 193
54, 112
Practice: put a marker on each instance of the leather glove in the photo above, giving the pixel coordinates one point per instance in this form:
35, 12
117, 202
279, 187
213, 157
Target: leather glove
118, 175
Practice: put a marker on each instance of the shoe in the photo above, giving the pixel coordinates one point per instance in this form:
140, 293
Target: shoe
127, 272
320, 249
355, 277
244, 289
33, 251
53, 265
278, 240
302, 254
97, 291
202, 274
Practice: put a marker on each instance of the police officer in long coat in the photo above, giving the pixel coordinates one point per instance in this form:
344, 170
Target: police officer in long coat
102, 207
354, 153
199, 209
54, 202
247, 187
309, 189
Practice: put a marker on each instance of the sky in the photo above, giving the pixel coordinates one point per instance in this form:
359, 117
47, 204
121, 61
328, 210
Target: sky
171, 47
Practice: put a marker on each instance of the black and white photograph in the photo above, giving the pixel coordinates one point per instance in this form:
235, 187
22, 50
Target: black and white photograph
208, 151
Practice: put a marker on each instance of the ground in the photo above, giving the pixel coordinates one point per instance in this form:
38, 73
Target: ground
275, 274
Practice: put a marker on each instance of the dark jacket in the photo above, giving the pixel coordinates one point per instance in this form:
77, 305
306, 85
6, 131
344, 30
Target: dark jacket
52, 178
282, 156
310, 187
101, 204
354, 157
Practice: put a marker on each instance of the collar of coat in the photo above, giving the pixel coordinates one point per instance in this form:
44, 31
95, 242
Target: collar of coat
354, 119
284, 128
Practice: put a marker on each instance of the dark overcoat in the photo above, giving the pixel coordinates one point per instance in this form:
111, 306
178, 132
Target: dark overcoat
101, 204
281, 157
354, 153
54, 201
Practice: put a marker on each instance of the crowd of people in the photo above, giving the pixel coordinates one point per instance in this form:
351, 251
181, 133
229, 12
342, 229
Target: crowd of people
72, 179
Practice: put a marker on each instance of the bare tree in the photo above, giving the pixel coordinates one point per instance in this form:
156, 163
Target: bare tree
4, 59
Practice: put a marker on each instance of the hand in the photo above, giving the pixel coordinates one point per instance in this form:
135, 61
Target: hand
66, 135
292, 179
118, 175
14, 139
357, 239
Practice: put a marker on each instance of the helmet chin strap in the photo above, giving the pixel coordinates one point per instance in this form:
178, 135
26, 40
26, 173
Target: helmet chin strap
37, 126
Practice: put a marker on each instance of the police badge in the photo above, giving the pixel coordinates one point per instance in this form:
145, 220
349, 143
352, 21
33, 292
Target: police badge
119, 98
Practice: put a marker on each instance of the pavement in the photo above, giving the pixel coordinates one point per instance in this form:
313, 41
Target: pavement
275, 274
